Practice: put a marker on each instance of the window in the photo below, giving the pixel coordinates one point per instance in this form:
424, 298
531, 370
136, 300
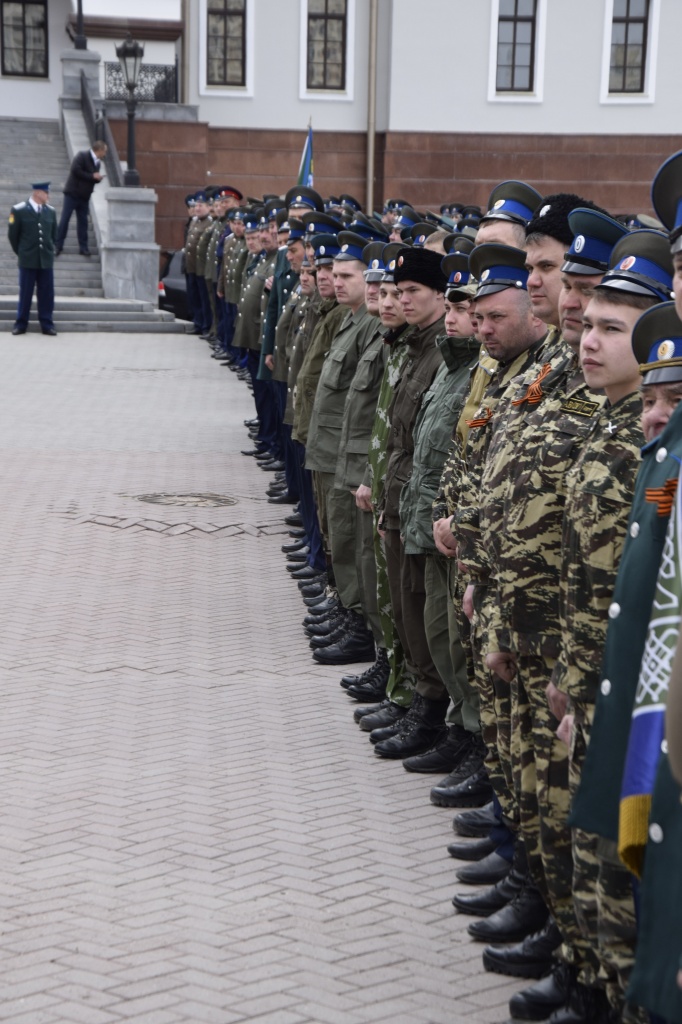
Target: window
326, 44
516, 45
24, 39
226, 42
629, 32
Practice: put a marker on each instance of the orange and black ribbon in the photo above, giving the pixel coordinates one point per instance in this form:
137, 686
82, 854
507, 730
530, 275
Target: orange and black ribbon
535, 393
663, 497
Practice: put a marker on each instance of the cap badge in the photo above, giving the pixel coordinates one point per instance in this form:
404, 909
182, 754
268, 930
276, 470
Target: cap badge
457, 278
628, 262
421, 239
545, 210
344, 248
322, 250
299, 199
375, 264
579, 243
666, 350
485, 275
391, 266
498, 204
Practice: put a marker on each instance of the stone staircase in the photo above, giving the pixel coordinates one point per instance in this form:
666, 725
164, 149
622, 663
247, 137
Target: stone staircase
31, 150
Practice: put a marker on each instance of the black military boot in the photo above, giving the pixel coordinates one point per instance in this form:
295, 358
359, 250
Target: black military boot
464, 786
421, 728
387, 714
532, 958
538, 1001
525, 914
446, 754
486, 902
371, 685
357, 644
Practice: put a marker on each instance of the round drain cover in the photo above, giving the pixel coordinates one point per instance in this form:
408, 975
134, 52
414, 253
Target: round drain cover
188, 500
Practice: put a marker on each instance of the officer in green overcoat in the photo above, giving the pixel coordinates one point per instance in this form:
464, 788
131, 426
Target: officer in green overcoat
32, 233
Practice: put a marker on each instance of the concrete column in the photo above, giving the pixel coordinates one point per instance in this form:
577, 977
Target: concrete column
130, 256
73, 62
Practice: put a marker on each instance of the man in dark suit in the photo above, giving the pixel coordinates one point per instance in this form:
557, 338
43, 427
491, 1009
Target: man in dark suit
83, 176
32, 234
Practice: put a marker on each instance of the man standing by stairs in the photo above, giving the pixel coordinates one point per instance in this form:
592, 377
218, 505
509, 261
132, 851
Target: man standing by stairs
32, 232
85, 173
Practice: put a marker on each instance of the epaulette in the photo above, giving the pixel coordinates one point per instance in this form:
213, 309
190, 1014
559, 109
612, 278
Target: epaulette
48, 207
19, 206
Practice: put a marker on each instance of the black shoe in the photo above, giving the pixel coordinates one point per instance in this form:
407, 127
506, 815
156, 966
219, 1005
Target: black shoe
532, 958
252, 423
370, 686
358, 680
337, 633
18, 330
390, 714
294, 546
353, 646
385, 733
282, 499
420, 730
476, 849
329, 603
85, 252
297, 559
295, 519
487, 902
370, 709
585, 1006
298, 534
314, 595
525, 914
445, 756
50, 331
473, 792
475, 823
272, 467
538, 1001
486, 871
58, 252
306, 574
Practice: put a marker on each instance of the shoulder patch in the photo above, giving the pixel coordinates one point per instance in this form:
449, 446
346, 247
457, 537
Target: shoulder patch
580, 407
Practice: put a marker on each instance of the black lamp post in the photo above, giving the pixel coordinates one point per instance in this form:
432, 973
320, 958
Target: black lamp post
80, 42
130, 54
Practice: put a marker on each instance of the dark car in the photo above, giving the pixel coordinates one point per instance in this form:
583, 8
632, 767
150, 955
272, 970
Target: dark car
173, 287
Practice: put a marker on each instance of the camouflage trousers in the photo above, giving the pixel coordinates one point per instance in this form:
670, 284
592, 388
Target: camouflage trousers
540, 766
602, 888
443, 637
495, 708
400, 686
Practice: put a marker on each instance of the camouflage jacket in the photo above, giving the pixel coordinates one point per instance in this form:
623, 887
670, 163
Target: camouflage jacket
375, 475
338, 370
599, 493
358, 415
418, 371
331, 316
436, 423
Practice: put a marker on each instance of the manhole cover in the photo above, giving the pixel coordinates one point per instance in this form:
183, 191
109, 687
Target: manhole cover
188, 500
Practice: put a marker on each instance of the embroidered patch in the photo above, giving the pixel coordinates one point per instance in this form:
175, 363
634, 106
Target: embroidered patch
580, 407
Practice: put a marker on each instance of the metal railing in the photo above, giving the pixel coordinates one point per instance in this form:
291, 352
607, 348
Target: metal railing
99, 129
158, 83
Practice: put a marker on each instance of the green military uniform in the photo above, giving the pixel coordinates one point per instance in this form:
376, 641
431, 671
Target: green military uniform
440, 410
211, 269
252, 302
284, 282
400, 687
194, 232
298, 344
322, 448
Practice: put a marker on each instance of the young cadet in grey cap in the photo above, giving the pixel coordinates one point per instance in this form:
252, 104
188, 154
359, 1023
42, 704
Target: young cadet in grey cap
547, 406
324, 437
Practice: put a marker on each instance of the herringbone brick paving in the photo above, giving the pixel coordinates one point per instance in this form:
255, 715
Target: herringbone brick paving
192, 829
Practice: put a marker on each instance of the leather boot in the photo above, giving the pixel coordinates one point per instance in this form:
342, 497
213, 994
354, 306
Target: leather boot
369, 709
585, 1006
373, 686
357, 644
473, 849
474, 823
487, 902
524, 915
389, 714
337, 632
467, 785
532, 958
329, 625
486, 871
538, 1001
444, 756
421, 728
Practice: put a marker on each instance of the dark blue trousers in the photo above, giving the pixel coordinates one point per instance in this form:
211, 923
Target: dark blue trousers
43, 282
194, 301
311, 523
206, 314
265, 410
80, 206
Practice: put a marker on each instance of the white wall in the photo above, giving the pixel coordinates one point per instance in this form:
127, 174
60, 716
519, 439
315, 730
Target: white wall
38, 97
274, 100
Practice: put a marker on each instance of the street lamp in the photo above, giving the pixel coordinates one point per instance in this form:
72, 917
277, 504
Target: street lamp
130, 54
80, 42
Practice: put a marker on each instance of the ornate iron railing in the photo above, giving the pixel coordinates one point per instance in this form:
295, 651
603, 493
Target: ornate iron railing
98, 128
157, 83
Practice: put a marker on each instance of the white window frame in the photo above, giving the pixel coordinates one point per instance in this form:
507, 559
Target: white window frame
631, 98
327, 95
537, 95
234, 91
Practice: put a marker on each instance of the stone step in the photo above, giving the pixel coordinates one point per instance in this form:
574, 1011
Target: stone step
96, 326
84, 306
74, 291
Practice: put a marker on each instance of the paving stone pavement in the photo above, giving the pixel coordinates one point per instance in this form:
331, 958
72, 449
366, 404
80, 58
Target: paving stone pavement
192, 828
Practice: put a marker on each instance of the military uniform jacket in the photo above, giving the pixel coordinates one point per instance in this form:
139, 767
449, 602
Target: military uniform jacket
396, 344
358, 415
194, 232
287, 324
436, 422
465, 495
423, 359
298, 344
331, 317
254, 297
202, 247
235, 256
599, 493
33, 236
597, 804
324, 434
211, 267
283, 284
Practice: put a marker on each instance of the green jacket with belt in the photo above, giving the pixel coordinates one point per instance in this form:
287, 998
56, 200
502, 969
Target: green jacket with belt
331, 317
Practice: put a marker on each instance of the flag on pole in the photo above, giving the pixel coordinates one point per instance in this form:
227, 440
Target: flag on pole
305, 171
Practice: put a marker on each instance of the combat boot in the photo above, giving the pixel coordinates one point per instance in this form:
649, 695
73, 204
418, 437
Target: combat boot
421, 728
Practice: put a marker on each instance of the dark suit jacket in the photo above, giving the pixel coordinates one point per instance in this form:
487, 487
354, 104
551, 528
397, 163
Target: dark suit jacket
80, 183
